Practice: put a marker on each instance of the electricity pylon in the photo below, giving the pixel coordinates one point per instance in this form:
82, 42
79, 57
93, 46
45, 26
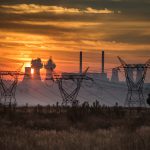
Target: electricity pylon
8, 85
135, 96
70, 96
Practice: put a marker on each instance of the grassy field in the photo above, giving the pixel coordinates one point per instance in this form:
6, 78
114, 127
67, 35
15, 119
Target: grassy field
75, 129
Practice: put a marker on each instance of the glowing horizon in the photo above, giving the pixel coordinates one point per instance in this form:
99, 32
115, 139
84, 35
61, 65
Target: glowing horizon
31, 29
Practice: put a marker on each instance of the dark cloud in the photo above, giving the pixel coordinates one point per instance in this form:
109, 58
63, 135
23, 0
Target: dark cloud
120, 26
126, 6
130, 37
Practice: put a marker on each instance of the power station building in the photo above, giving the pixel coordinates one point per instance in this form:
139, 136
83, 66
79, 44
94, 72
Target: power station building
49, 66
115, 75
102, 75
27, 73
36, 64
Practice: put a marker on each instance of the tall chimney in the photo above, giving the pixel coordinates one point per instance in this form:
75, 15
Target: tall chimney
103, 61
80, 61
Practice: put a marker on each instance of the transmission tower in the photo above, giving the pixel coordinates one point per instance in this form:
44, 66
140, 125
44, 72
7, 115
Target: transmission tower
135, 82
67, 95
8, 85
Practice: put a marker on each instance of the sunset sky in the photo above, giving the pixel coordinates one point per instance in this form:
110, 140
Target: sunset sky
61, 28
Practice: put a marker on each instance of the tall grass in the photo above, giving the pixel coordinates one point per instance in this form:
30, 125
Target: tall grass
17, 138
75, 129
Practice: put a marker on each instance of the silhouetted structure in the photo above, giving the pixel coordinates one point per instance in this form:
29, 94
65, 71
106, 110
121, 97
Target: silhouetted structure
81, 62
115, 76
8, 87
148, 99
70, 97
103, 75
135, 95
36, 64
27, 73
49, 66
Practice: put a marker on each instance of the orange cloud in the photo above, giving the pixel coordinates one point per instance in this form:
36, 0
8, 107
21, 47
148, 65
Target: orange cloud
59, 30
97, 11
33, 8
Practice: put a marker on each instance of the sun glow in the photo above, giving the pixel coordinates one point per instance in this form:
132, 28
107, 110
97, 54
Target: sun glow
27, 65
32, 71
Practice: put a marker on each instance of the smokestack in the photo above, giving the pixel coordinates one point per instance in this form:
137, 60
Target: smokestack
103, 75
103, 60
80, 61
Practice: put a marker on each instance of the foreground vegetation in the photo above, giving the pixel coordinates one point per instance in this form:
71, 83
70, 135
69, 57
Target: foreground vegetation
19, 138
74, 129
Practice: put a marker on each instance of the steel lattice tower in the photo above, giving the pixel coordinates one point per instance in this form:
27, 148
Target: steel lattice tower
135, 95
70, 96
8, 88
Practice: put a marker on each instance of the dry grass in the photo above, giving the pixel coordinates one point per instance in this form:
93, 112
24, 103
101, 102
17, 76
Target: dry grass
17, 138
75, 130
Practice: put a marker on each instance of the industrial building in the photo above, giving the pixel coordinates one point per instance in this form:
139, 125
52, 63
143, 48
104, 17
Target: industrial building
108, 91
